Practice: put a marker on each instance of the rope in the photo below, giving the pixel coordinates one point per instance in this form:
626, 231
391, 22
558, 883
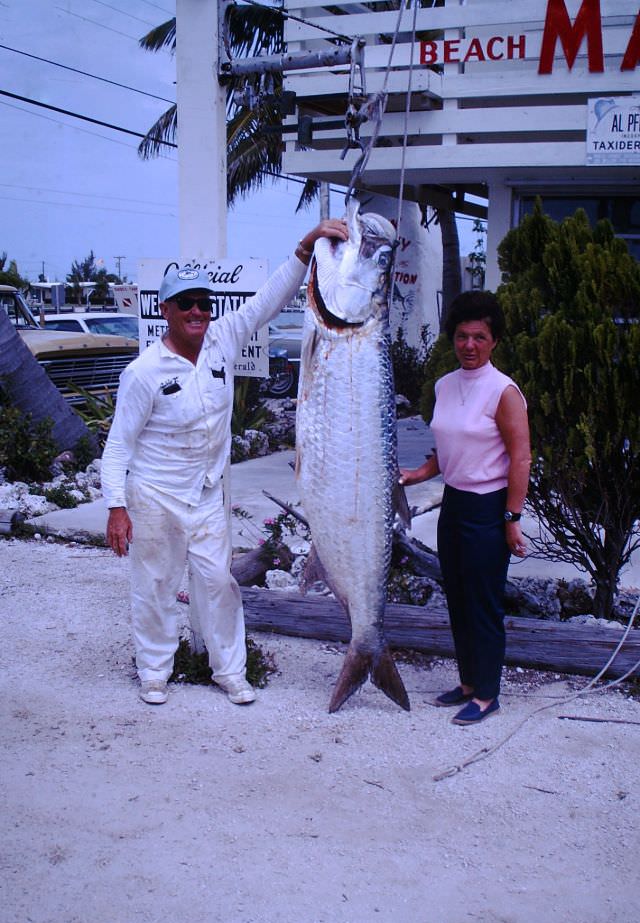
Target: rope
379, 104
407, 110
488, 751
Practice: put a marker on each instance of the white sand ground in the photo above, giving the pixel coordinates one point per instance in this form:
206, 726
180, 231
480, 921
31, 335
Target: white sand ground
114, 811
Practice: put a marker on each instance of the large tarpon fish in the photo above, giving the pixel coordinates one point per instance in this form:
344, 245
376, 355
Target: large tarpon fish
346, 462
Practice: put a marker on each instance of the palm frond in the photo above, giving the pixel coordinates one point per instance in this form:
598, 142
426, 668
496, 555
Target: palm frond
254, 30
162, 133
253, 154
309, 194
163, 36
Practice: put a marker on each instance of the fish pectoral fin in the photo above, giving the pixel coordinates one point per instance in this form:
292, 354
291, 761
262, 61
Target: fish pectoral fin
355, 671
384, 675
360, 664
313, 571
401, 505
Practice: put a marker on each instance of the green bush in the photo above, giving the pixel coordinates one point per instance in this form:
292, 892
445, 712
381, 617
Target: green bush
409, 364
194, 668
248, 411
61, 497
27, 449
571, 297
442, 360
97, 411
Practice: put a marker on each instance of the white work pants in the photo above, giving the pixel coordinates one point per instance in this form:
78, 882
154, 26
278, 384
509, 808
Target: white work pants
166, 533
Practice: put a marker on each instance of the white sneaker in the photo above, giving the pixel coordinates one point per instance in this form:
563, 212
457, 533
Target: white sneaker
238, 690
154, 692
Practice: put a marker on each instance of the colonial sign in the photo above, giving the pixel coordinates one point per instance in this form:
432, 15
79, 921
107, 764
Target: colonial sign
234, 282
613, 130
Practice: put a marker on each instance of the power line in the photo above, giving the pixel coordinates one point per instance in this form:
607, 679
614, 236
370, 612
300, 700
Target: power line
83, 195
76, 115
137, 134
161, 8
93, 208
85, 131
95, 23
124, 12
85, 73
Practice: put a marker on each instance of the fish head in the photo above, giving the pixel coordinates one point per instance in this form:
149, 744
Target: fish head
350, 278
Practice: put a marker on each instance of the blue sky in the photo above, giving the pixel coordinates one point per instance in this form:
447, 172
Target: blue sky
67, 186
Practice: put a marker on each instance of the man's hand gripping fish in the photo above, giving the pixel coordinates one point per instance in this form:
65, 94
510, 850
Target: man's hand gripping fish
346, 462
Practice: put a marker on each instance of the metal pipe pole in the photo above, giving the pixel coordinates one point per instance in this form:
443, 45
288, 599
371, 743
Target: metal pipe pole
202, 133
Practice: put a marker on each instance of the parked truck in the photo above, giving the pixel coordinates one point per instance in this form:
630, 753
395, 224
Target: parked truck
90, 361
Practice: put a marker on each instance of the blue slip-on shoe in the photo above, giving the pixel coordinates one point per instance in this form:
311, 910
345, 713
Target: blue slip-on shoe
453, 697
473, 714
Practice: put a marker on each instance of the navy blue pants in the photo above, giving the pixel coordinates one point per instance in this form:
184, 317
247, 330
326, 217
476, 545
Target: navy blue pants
474, 557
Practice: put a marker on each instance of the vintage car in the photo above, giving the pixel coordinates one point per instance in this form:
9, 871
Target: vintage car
284, 361
71, 360
107, 323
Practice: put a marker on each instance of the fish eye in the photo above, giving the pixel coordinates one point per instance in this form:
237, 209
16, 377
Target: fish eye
368, 248
384, 260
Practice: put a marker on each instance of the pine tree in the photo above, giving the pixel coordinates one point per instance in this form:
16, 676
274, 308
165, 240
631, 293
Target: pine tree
571, 297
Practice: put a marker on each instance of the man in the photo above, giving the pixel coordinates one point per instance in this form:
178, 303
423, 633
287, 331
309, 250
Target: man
162, 471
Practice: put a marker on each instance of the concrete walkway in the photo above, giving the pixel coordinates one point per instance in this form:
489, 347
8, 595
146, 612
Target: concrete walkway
274, 473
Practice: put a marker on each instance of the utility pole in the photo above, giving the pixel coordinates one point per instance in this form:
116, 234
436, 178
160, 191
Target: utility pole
118, 260
202, 133
325, 197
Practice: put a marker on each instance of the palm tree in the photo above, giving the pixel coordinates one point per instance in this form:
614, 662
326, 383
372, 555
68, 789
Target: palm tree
30, 389
254, 146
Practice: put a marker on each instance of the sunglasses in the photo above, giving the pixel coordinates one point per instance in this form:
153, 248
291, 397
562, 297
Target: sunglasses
185, 303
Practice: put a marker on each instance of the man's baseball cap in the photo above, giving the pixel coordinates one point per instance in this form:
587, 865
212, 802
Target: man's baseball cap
183, 280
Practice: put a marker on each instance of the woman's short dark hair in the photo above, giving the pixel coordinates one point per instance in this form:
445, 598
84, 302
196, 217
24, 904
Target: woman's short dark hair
475, 305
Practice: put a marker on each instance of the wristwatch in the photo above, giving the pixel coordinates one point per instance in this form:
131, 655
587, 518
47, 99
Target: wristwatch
511, 517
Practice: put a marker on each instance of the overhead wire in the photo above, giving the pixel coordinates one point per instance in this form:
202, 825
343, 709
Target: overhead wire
77, 115
77, 70
94, 134
96, 23
124, 12
155, 5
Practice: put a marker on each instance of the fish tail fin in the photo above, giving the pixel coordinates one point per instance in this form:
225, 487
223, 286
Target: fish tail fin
355, 671
360, 664
384, 675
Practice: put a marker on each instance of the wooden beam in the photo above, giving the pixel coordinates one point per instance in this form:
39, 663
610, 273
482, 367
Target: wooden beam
544, 645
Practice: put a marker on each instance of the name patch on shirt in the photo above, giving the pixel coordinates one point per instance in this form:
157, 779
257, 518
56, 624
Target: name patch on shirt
171, 386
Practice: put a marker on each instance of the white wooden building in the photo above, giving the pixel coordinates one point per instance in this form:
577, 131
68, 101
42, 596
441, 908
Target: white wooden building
509, 99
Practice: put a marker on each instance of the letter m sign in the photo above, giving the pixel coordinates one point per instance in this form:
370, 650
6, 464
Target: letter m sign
557, 25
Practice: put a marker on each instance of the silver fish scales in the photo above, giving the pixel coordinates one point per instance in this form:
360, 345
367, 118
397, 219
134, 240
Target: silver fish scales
346, 462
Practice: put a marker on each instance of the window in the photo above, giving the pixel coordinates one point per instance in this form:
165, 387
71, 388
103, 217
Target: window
623, 211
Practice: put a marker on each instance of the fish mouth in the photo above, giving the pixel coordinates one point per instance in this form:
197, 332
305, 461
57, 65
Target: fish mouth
331, 321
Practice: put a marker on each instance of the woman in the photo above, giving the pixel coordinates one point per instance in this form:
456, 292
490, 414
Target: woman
482, 450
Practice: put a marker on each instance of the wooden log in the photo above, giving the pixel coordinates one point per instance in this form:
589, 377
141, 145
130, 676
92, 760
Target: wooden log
251, 567
544, 645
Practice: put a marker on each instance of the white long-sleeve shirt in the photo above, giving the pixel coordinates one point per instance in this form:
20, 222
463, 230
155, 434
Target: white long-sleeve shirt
172, 425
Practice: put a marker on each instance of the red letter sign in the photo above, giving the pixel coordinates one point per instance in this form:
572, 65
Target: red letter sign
632, 54
558, 26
